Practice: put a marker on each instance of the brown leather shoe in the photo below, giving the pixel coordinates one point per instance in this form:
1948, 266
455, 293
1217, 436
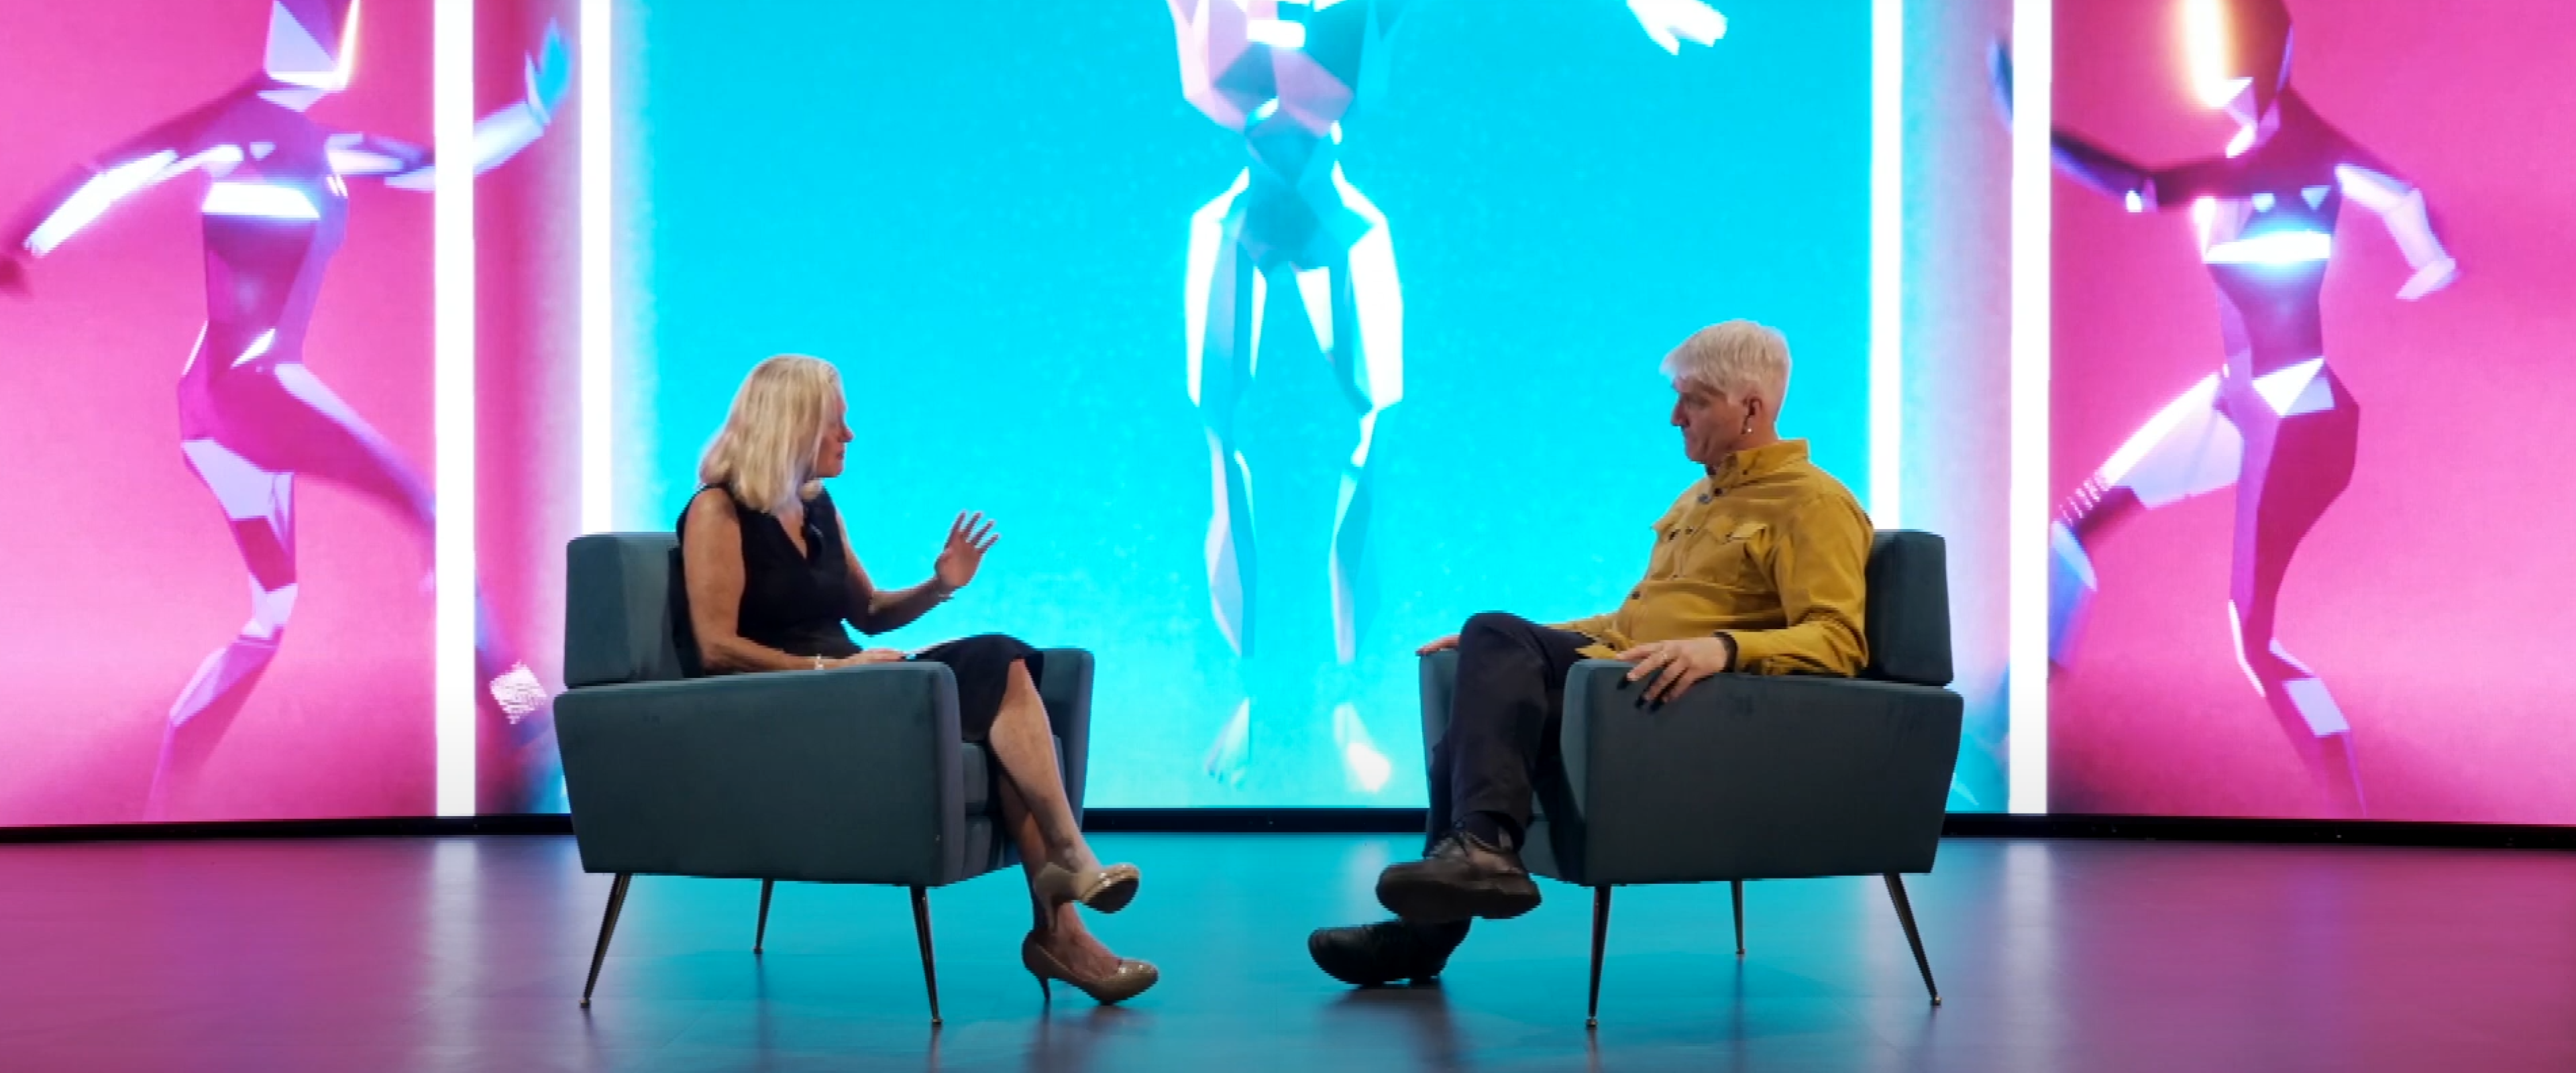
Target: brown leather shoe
1375, 955
1462, 877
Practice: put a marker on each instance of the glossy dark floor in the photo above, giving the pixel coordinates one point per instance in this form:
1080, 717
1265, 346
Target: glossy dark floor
2098, 956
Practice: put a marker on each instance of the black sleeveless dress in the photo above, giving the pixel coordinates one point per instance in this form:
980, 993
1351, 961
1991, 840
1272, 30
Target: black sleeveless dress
796, 602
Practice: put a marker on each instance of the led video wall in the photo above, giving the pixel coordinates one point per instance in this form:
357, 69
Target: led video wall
2248, 498
241, 581
2309, 410
1252, 491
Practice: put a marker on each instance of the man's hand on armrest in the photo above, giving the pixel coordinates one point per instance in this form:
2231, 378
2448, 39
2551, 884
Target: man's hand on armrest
1677, 665
1442, 645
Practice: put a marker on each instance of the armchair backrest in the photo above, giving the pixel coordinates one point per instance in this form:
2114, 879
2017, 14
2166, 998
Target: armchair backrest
617, 609
1907, 623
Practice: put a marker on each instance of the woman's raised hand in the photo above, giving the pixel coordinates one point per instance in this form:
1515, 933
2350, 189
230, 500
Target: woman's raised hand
968, 539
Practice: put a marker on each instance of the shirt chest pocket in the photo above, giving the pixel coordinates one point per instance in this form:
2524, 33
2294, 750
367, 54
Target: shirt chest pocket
1728, 554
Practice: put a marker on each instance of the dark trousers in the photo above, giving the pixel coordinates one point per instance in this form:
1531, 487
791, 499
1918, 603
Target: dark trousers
1503, 718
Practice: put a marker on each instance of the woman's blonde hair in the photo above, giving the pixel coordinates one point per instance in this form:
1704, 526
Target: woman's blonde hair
765, 453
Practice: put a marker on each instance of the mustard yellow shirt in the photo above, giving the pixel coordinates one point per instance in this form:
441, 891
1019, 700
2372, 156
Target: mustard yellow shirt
1767, 549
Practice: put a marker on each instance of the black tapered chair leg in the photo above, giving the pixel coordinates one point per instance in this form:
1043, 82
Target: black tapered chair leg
607, 927
1738, 884
921, 928
1905, 915
1600, 935
760, 935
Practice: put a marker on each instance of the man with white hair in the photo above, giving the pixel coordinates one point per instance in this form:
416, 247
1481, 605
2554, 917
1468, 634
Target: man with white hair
1756, 569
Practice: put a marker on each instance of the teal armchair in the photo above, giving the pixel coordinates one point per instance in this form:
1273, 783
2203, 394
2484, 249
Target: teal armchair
852, 775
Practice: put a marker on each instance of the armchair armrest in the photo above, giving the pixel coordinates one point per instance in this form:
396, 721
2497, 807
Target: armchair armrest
846, 775
1753, 777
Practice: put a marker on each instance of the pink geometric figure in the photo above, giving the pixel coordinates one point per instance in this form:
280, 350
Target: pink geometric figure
252, 415
2265, 212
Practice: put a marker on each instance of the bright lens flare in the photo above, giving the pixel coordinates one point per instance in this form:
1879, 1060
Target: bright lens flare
348, 48
2205, 51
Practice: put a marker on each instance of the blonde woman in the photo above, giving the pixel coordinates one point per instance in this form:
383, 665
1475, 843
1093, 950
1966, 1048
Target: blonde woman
770, 577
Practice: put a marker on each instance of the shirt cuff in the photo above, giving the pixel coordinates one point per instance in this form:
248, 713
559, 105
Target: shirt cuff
1752, 647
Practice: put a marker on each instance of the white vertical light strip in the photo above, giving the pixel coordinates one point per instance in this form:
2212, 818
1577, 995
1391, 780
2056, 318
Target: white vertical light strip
452, 398
2026, 505
598, 466
1886, 261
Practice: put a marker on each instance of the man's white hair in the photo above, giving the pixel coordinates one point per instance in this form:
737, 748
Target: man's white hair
1738, 358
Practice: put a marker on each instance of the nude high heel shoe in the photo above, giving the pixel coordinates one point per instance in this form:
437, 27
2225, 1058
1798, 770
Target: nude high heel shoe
1104, 890
1127, 981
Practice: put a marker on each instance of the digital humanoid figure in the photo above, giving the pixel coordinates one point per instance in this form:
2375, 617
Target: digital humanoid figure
252, 416
1284, 74
2274, 421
